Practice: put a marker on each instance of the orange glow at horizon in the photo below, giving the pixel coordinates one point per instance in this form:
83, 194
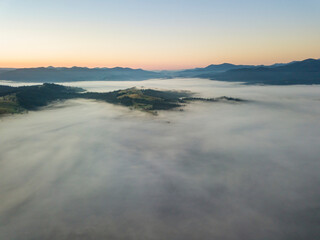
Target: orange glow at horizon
157, 65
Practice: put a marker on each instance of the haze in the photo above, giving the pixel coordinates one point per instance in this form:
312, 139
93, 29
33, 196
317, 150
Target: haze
91, 170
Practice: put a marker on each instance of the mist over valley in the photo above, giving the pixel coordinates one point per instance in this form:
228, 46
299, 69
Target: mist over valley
86, 169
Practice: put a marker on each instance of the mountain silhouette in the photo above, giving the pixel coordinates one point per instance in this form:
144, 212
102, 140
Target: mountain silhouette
51, 74
213, 68
300, 72
296, 72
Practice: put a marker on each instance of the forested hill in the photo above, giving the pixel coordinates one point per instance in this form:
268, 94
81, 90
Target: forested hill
19, 99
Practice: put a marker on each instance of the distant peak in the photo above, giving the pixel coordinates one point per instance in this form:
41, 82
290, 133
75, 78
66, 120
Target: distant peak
222, 64
310, 60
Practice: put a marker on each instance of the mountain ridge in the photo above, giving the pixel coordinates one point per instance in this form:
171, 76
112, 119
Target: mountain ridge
299, 72
64, 74
296, 72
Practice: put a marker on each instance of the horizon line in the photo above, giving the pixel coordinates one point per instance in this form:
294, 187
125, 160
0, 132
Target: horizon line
155, 69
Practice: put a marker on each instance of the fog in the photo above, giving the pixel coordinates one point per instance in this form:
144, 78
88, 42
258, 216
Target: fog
83, 169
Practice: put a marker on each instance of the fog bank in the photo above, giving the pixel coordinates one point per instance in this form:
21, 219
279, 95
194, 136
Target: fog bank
91, 170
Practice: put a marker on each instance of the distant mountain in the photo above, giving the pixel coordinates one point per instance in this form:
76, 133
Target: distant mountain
299, 72
223, 67
308, 65
296, 72
209, 69
51, 74
2, 70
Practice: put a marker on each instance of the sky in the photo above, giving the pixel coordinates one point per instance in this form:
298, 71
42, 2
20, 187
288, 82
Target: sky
157, 34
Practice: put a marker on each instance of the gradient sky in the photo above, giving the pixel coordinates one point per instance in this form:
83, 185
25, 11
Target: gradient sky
162, 34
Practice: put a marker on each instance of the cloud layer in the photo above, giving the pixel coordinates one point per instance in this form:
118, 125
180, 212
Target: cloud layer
91, 170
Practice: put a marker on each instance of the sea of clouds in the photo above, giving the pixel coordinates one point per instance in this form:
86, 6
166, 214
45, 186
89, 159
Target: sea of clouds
84, 169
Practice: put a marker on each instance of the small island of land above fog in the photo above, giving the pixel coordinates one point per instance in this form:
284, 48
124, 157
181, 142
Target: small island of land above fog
21, 99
